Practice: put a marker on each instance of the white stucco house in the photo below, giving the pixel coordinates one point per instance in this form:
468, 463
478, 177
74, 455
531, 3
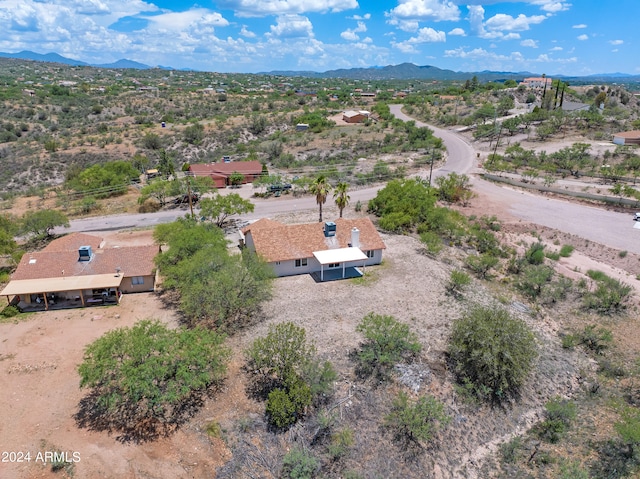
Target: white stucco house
327, 251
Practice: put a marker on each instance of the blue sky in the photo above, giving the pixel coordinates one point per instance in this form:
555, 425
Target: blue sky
247, 36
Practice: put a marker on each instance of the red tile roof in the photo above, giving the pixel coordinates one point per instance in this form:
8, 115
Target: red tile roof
132, 261
275, 241
72, 242
225, 169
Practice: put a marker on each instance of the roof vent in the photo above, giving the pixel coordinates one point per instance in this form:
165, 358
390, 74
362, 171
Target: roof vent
84, 253
355, 237
329, 228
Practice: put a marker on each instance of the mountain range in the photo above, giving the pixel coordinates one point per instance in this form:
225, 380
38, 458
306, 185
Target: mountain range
403, 71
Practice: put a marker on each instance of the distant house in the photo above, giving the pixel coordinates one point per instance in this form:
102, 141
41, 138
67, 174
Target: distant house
76, 270
302, 127
330, 250
627, 138
220, 172
536, 82
351, 116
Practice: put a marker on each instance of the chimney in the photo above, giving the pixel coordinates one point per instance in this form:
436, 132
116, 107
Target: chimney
355, 237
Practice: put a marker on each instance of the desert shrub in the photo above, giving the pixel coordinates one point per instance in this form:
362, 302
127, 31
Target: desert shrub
572, 470
458, 281
340, 443
492, 352
555, 291
566, 250
535, 254
415, 421
596, 275
559, 413
9, 312
481, 265
299, 464
533, 278
285, 406
432, 242
628, 429
510, 451
609, 297
593, 338
387, 342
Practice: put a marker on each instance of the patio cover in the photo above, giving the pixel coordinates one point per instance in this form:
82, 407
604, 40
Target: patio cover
56, 285
339, 255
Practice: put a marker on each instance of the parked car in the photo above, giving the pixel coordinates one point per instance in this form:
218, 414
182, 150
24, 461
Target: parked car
279, 187
636, 217
184, 199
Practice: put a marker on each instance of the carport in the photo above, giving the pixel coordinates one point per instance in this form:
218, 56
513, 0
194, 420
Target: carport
72, 285
336, 261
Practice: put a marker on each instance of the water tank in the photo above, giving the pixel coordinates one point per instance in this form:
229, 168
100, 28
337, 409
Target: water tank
329, 228
84, 253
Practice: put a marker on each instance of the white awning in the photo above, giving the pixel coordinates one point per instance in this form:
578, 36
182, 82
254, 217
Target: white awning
340, 255
57, 285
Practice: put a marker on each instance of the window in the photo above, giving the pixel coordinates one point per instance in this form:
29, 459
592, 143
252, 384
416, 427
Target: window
277, 263
333, 265
137, 280
370, 253
301, 262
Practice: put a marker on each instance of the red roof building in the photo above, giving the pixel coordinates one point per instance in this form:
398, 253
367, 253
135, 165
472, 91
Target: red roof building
220, 172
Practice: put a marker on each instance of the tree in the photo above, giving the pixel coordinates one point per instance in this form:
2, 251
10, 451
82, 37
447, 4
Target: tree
341, 197
402, 204
492, 352
236, 179
387, 342
159, 189
165, 164
220, 207
320, 188
145, 378
152, 141
40, 223
414, 422
194, 134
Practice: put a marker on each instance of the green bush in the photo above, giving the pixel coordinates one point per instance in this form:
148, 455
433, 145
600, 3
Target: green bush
341, 441
535, 254
458, 281
609, 297
415, 421
533, 279
432, 242
9, 312
492, 352
481, 265
299, 464
566, 250
559, 413
387, 342
285, 406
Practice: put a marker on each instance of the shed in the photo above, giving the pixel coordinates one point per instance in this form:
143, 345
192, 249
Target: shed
627, 138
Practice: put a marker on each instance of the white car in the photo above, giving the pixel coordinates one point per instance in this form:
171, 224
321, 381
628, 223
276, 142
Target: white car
636, 217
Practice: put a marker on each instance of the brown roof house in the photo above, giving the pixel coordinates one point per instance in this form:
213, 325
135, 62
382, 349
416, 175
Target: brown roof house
327, 251
627, 138
220, 172
351, 116
76, 270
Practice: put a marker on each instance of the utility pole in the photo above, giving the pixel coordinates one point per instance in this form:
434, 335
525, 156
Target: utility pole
189, 193
433, 158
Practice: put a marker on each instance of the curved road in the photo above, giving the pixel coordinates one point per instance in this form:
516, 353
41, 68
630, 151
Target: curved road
596, 224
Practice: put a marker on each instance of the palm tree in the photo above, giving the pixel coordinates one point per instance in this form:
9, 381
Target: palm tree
341, 197
321, 188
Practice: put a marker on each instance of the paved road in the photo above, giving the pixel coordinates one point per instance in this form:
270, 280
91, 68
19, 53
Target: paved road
594, 223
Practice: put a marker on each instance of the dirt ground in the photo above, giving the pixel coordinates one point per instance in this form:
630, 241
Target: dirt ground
39, 356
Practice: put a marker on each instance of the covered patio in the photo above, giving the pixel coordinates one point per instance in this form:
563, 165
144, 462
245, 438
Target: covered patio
340, 263
63, 292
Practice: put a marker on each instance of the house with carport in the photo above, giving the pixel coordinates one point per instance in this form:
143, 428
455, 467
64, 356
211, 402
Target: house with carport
328, 251
77, 270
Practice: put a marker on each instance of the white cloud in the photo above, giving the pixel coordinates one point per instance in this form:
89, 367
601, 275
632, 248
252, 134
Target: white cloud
616, 42
184, 21
292, 26
245, 32
583, 37
552, 6
366, 16
529, 43
425, 35
433, 10
520, 23
351, 34
458, 32
580, 25
556, 49
261, 8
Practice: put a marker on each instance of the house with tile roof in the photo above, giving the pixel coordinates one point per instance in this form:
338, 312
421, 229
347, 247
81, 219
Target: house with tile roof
76, 270
221, 171
330, 250
627, 138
